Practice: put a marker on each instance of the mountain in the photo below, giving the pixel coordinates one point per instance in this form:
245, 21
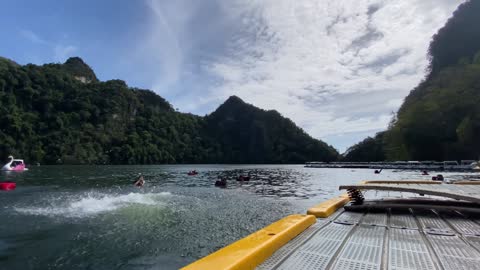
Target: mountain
458, 39
80, 70
440, 118
62, 114
368, 150
249, 134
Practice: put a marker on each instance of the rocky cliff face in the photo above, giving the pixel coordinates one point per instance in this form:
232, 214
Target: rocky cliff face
80, 71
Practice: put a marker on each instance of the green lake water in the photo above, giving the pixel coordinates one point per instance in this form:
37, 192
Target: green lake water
92, 217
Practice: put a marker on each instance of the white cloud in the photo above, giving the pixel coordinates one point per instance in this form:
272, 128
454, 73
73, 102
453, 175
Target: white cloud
162, 43
336, 68
62, 52
333, 67
32, 37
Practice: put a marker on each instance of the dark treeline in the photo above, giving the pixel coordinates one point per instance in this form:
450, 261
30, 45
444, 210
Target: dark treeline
440, 118
370, 149
62, 114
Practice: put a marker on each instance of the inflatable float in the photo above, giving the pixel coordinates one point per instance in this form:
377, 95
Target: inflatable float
7, 185
192, 172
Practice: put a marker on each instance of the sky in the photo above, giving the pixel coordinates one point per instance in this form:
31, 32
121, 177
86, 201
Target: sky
339, 69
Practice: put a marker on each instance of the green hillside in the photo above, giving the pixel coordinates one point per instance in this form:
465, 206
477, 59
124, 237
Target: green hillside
62, 114
440, 118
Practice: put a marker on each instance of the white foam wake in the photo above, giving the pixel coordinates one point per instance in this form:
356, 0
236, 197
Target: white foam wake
93, 204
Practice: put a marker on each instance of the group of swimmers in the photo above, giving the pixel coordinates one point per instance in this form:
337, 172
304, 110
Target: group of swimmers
439, 177
140, 181
222, 182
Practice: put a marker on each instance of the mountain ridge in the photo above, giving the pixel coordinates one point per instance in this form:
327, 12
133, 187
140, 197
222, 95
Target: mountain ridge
48, 114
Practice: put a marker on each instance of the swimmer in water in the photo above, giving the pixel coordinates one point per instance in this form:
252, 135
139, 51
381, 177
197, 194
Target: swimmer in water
139, 182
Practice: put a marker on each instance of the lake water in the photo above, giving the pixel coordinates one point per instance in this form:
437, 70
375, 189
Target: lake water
91, 217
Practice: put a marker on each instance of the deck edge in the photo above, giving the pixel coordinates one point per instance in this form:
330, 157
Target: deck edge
426, 182
327, 208
254, 249
467, 182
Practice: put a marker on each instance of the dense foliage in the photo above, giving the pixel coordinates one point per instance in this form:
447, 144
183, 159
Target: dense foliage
368, 150
440, 119
458, 39
248, 134
61, 114
443, 121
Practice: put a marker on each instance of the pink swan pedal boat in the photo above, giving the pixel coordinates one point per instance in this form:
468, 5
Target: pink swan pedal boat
14, 165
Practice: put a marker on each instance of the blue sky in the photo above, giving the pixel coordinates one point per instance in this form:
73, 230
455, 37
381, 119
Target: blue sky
338, 69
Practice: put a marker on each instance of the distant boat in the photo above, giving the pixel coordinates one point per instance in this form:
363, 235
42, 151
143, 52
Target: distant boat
194, 172
14, 165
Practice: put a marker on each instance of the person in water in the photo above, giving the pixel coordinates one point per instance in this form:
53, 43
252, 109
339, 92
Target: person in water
424, 173
221, 183
139, 182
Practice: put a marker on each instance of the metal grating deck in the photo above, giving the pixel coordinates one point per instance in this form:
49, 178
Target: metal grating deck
390, 239
406, 250
363, 250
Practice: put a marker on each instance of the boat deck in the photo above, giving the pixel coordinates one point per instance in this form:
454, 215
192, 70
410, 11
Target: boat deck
382, 225
390, 239
470, 193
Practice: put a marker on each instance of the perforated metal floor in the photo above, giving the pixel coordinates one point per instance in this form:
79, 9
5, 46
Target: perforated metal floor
389, 239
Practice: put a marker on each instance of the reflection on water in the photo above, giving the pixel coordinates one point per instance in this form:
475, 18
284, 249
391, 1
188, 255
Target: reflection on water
81, 217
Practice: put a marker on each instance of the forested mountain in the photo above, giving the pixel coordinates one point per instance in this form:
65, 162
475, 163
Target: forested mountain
458, 40
62, 114
249, 134
368, 150
440, 118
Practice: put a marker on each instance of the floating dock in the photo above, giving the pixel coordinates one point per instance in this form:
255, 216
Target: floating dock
381, 225
463, 165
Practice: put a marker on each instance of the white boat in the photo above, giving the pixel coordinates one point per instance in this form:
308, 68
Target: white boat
14, 165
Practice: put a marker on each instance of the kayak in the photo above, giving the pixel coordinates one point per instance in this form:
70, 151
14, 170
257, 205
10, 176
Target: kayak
7, 185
